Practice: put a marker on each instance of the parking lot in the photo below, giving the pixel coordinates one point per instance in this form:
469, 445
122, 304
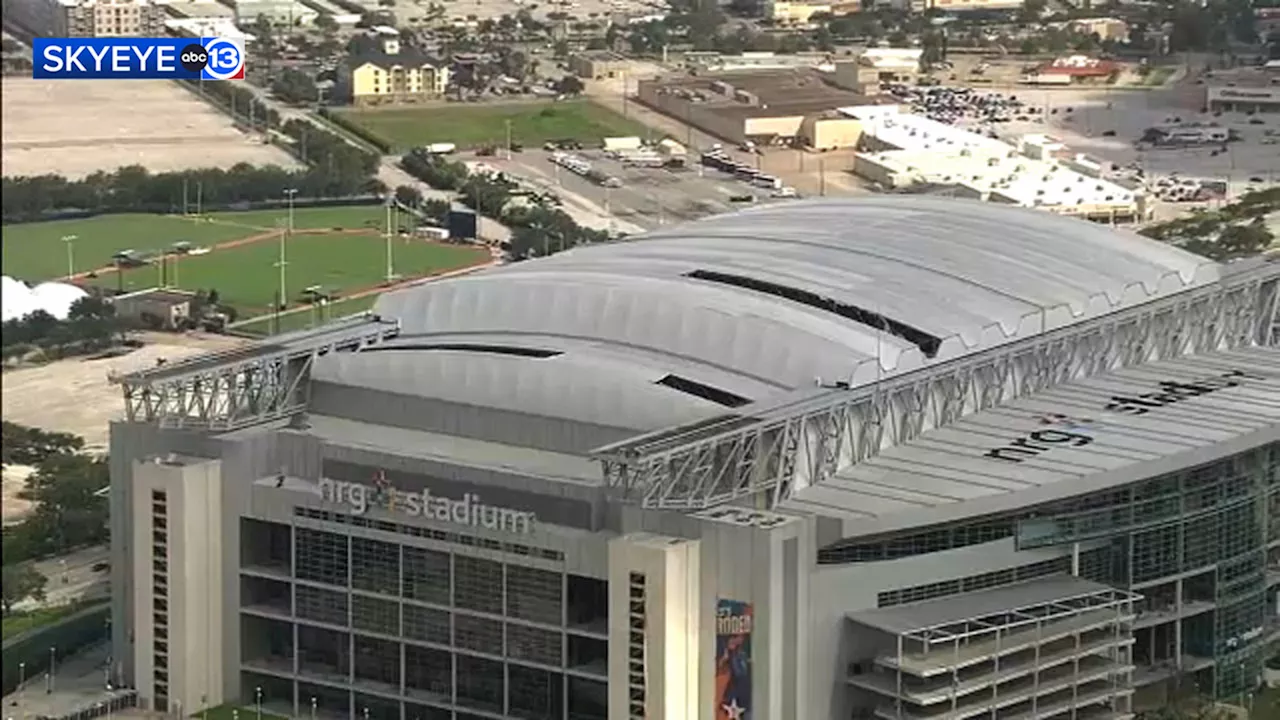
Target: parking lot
646, 198
1107, 125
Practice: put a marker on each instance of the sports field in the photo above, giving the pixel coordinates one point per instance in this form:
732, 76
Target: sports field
35, 251
247, 276
304, 317
471, 126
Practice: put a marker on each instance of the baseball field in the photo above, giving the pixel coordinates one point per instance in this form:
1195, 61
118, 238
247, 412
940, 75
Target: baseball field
341, 249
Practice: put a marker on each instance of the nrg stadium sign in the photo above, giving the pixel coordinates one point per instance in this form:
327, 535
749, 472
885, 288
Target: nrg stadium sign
469, 510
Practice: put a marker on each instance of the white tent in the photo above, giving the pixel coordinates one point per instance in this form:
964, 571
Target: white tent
17, 300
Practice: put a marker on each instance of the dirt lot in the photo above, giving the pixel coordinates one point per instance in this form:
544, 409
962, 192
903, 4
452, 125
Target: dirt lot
74, 129
74, 395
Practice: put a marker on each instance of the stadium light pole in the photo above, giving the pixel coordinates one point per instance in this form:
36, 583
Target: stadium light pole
289, 194
391, 269
70, 240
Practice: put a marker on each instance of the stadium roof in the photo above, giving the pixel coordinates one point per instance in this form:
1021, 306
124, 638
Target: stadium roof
1069, 440
689, 320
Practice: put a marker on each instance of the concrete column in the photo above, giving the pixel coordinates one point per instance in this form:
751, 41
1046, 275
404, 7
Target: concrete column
1177, 625
1075, 559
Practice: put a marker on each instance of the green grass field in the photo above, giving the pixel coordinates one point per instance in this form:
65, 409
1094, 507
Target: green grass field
301, 319
35, 251
471, 126
19, 622
247, 277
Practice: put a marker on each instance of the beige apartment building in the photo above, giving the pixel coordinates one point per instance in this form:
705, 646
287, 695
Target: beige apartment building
87, 18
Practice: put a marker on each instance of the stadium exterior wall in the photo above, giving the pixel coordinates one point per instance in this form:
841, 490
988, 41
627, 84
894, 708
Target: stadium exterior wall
752, 572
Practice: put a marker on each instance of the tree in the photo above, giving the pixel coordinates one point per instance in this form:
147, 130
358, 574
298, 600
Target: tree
1235, 231
436, 210
19, 583
22, 445
408, 196
295, 87
569, 85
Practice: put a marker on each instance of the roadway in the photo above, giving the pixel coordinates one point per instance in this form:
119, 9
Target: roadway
71, 577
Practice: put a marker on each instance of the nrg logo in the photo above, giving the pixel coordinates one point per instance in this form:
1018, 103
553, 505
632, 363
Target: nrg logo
215, 59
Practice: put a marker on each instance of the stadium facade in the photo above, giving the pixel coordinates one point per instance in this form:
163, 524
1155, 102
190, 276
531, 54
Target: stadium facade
901, 457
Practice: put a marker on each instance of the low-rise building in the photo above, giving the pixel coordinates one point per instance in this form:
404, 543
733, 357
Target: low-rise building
394, 74
1249, 98
1106, 28
282, 13
964, 5
598, 64
767, 108
904, 150
156, 308
86, 18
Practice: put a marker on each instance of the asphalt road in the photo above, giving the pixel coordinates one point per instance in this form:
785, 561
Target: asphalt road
71, 578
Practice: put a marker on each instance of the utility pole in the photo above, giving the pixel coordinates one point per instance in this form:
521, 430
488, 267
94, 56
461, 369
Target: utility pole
199, 196
284, 262
184, 197
70, 240
508, 124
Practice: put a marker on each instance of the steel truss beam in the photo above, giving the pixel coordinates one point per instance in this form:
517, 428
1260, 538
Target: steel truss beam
731, 458
265, 381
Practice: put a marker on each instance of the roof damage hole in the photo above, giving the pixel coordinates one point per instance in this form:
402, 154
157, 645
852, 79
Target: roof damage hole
927, 343
706, 392
511, 350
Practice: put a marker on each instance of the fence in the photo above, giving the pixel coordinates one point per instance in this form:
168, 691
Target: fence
30, 653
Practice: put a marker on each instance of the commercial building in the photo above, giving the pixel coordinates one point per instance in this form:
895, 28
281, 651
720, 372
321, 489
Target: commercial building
1073, 70
894, 457
598, 64
393, 75
158, 308
963, 5
801, 12
902, 150
1255, 98
282, 13
87, 18
775, 107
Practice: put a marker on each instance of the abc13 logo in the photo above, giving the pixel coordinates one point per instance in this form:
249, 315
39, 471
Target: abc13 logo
214, 58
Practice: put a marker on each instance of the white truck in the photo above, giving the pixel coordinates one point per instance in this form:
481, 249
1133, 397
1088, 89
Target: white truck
441, 148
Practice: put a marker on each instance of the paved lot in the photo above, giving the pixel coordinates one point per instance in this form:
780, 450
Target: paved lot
1129, 113
648, 197
75, 129
78, 682
75, 395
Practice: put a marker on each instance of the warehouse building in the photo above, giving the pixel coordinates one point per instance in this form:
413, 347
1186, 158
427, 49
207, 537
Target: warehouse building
905, 150
894, 457
779, 107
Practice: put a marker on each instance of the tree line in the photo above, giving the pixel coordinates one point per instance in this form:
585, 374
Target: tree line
334, 169
67, 512
91, 326
1234, 231
537, 229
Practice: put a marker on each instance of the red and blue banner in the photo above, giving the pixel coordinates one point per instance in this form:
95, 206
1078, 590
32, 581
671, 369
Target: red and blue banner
734, 620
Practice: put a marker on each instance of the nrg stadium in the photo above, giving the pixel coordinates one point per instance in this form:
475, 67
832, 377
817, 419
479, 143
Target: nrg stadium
901, 458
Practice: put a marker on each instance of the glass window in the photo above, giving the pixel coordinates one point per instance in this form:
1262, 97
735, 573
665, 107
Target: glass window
375, 614
477, 584
477, 633
375, 566
534, 644
534, 594
322, 557
426, 575
326, 606
480, 683
427, 624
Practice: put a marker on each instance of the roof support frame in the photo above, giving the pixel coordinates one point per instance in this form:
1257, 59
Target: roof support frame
845, 426
263, 382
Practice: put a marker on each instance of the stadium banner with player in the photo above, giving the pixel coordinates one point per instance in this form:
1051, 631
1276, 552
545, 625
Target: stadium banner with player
734, 620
